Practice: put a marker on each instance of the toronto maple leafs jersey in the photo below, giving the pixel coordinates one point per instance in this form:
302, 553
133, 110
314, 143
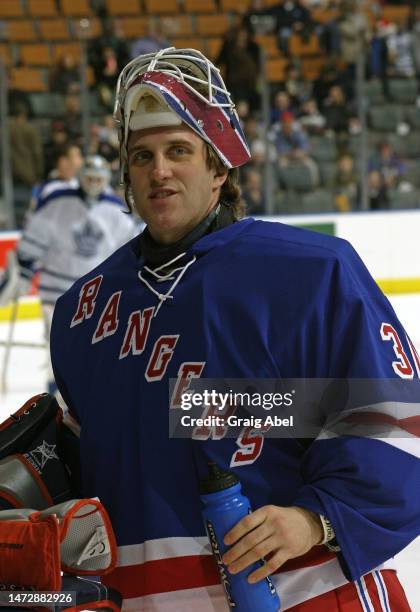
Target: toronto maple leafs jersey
253, 300
68, 236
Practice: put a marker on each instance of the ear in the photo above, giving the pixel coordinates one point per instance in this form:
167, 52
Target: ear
220, 176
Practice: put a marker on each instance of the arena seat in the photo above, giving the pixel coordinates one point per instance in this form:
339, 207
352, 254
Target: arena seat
117, 8
166, 7
42, 8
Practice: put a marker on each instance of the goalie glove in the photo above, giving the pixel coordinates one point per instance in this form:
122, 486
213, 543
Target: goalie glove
32, 472
75, 537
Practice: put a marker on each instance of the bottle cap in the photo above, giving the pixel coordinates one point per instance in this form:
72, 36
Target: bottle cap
217, 480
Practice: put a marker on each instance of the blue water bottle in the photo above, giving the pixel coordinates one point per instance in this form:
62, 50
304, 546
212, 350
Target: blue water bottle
224, 506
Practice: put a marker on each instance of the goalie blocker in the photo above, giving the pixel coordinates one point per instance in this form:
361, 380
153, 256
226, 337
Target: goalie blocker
43, 531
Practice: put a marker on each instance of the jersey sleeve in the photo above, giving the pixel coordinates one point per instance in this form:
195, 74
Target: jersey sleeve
364, 472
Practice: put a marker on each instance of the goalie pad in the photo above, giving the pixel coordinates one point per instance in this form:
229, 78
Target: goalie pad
79, 529
32, 473
88, 544
30, 551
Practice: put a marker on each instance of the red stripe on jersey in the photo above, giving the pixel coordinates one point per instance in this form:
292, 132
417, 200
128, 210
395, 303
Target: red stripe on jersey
188, 572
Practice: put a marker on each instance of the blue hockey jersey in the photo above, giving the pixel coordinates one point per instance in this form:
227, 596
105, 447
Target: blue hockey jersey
253, 300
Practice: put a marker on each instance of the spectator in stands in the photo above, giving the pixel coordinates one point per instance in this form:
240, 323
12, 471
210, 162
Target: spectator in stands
239, 60
377, 191
415, 33
292, 145
390, 167
292, 18
336, 111
282, 104
58, 138
154, 39
65, 75
67, 160
259, 19
330, 75
311, 119
354, 35
295, 85
345, 184
26, 159
112, 38
253, 191
73, 118
106, 76
400, 48
378, 56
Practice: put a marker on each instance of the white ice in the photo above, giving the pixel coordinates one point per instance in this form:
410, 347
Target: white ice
27, 377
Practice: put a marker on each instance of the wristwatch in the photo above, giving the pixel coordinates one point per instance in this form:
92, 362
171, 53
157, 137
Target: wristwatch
329, 540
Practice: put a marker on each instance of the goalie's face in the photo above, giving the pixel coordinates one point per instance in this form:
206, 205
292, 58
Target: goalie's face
172, 185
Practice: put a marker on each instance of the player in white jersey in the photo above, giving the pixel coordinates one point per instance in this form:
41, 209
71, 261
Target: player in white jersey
72, 232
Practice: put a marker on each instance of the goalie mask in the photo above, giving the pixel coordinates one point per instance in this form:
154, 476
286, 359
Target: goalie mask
95, 175
174, 86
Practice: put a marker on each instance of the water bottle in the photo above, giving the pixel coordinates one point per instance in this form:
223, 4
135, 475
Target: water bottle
224, 506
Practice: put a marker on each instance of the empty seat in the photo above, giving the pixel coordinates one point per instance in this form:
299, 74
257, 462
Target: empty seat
403, 200
403, 90
75, 8
156, 7
406, 146
323, 148
268, 42
132, 27
42, 8
35, 55
234, 5
327, 172
373, 91
28, 79
48, 104
288, 203
299, 46
54, 29
5, 55
11, 8
276, 69
177, 25
412, 114
385, 118
20, 30
200, 6
320, 200
190, 43
214, 45
312, 66
117, 8
298, 177
212, 25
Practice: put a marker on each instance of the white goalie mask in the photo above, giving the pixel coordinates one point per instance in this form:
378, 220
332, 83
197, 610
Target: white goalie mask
174, 86
95, 175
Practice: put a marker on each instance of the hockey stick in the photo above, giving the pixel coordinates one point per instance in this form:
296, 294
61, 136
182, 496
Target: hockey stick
9, 341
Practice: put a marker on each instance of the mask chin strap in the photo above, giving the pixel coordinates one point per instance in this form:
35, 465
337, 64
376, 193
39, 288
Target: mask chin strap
162, 276
156, 254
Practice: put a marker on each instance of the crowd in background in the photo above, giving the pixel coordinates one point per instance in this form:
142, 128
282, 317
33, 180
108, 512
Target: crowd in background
303, 112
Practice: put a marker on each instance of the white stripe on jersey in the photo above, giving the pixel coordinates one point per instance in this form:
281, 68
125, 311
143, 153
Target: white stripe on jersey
382, 591
364, 597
